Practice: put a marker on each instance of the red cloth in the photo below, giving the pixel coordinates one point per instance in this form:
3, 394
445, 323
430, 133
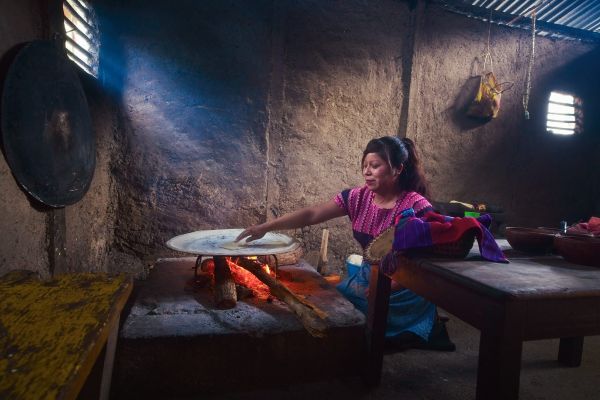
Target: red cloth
444, 230
592, 227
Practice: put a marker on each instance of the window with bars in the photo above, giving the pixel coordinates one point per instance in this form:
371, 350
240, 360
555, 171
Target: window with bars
81, 28
565, 116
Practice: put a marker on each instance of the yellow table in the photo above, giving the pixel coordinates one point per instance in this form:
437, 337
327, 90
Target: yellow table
52, 332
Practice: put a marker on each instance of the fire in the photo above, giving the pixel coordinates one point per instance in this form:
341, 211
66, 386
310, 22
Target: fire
265, 266
244, 277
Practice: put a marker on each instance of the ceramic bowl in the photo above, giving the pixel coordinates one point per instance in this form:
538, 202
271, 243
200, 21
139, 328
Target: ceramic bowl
530, 240
579, 249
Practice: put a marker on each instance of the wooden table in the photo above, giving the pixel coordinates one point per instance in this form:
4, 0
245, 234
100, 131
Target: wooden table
52, 333
533, 297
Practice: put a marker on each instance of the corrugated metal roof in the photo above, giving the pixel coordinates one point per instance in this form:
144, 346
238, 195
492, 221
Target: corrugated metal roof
579, 19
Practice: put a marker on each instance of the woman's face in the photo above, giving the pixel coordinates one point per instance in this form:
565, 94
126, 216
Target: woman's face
379, 177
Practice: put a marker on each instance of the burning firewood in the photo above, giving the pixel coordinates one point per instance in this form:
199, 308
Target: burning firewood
225, 294
311, 317
243, 292
208, 266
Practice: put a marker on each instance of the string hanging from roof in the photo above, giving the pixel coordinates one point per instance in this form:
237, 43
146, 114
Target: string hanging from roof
487, 55
530, 66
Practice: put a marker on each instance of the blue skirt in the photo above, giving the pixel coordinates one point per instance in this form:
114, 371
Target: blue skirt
407, 311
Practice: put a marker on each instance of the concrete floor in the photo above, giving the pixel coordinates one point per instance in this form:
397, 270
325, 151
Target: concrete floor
418, 374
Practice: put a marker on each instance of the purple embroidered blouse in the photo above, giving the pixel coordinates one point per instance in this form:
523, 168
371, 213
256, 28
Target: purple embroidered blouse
368, 219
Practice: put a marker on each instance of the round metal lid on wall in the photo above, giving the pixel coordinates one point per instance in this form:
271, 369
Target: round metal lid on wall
46, 125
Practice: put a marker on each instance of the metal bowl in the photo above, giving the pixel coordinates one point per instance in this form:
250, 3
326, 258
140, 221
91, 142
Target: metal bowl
530, 240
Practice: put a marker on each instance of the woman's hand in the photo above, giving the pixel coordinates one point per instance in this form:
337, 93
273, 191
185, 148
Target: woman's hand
252, 233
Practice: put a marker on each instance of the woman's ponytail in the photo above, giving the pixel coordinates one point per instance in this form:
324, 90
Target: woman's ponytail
413, 178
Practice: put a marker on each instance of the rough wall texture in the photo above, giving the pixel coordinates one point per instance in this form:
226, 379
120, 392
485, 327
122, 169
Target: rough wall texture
23, 222
237, 112
90, 222
342, 87
231, 113
194, 81
538, 179
23, 244
234, 113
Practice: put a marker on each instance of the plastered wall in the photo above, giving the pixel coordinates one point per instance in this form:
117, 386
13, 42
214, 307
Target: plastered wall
214, 114
510, 162
238, 113
23, 228
193, 79
24, 223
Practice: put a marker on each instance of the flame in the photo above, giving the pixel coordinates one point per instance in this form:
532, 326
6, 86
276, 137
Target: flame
265, 266
247, 279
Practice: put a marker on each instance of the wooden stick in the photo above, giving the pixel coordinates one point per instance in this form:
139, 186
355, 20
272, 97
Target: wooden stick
323, 253
311, 317
225, 295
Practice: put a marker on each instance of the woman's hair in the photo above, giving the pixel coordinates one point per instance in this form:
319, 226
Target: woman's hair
397, 152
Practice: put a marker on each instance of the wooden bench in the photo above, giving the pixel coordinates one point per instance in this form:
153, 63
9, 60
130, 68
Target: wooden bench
52, 333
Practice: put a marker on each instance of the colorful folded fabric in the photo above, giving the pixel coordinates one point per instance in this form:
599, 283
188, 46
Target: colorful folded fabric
592, 227
432, 229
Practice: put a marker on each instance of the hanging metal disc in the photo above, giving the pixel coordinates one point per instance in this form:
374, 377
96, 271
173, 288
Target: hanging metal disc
46, 126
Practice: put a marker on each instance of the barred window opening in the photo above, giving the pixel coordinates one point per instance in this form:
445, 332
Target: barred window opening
565, 116
82, 35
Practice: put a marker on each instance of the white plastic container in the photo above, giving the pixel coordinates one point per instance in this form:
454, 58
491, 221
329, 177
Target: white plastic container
353, 264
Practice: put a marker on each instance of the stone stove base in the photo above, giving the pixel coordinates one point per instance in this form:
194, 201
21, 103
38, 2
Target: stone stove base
175, 343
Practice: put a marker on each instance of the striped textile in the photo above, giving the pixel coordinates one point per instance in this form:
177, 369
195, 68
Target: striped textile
413, 232
369, 220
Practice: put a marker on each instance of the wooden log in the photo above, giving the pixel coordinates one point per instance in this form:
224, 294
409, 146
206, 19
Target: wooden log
225, 295
311, 317
243, 292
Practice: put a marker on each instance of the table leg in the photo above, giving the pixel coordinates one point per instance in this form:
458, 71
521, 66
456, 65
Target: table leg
570, 350
109, 359
499, 367
379, 301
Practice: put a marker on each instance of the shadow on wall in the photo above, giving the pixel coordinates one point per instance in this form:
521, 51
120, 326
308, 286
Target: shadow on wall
560, 173
580, 78
462, 101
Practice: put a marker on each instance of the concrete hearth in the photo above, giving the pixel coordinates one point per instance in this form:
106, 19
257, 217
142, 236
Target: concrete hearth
175, 343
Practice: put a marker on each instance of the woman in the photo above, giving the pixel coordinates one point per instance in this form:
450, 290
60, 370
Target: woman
394, 182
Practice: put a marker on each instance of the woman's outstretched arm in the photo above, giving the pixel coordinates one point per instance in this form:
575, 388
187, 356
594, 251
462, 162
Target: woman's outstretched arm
306, 216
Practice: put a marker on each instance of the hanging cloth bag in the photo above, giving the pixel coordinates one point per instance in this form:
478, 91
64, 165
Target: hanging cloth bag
486, 103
